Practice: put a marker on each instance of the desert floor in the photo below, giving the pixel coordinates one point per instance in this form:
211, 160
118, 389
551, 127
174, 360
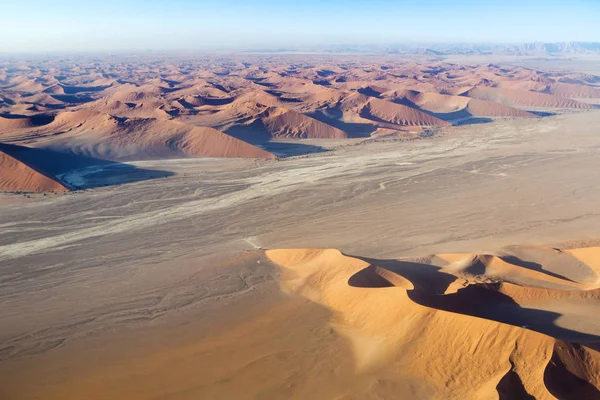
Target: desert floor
157, 289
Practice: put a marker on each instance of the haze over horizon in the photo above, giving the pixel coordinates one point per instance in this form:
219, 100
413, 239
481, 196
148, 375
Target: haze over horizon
112, 25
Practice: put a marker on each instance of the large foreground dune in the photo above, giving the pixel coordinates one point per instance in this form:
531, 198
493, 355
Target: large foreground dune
319, 324
461, 325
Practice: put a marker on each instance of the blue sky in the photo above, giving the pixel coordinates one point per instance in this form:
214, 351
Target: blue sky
54, 25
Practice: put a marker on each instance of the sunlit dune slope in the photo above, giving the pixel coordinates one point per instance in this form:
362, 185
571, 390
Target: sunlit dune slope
102, 136
285, 123
448, 106
399, 114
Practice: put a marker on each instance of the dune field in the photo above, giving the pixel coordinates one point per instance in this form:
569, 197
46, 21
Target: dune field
143, 109
298, 227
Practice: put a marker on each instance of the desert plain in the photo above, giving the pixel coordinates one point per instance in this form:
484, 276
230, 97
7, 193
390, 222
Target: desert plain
298, 227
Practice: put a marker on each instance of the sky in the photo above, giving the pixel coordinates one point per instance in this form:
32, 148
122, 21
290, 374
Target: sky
111, 25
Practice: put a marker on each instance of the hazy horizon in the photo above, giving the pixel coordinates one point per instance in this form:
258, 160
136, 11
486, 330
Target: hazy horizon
135, 25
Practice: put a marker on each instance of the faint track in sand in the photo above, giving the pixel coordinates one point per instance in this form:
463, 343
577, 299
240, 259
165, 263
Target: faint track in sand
247, 240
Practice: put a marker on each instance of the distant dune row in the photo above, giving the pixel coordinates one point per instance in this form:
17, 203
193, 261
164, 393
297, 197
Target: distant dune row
122, 111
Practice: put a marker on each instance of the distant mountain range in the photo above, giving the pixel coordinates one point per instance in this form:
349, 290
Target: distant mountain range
444, 49
522, 49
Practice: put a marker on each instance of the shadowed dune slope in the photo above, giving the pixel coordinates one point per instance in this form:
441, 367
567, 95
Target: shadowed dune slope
14, 123
18, 176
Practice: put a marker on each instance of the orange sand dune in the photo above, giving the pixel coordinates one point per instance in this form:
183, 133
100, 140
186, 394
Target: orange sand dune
133, 96
148, 138
132, 105
10, 124
508, 268
102, 136
68, 121
353, 102
458, 90
446, 104
27, 86
258, 97
482, 108
562, 89
573, 90
524, 98
437, 103
294, 85
280, 122
190, 101
55, 89
522, 85
17, 176
399, 114
40, 98
198, 88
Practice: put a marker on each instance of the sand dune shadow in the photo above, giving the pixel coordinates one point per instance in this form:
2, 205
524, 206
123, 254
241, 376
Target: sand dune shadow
80, 172
483, 300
